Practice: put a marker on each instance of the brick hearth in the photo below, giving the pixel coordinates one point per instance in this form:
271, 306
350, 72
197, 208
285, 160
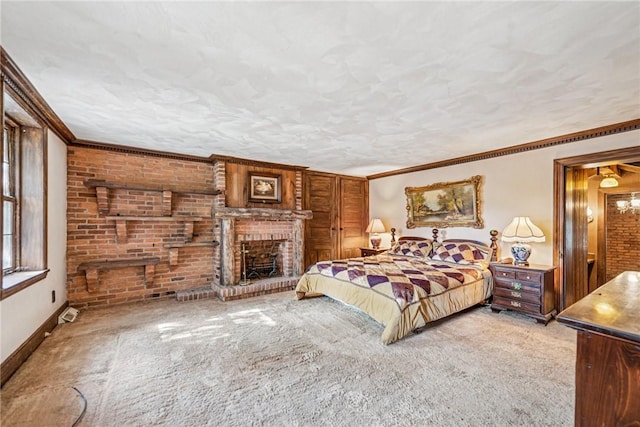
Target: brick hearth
230, 293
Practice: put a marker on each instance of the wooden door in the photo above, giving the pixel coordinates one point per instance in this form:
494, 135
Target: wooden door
353, 216
320, 233
569, 242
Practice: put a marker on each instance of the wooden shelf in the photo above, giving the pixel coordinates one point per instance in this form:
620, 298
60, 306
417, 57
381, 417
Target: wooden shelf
121, 224
91, 269
191, 244
102, 194
95, 184
174, 249
153, 218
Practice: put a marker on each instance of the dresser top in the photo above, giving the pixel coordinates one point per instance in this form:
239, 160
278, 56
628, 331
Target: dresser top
612, 309
537, 267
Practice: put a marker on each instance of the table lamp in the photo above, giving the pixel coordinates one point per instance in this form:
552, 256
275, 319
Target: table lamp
375, 226
522, 231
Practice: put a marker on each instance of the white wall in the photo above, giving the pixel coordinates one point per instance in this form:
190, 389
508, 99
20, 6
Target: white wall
515, 185
24, 312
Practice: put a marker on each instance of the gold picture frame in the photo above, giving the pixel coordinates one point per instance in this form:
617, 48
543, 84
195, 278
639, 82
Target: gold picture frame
264, 187
445, 204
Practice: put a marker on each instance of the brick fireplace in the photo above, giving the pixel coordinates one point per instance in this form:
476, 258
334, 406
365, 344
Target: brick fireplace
239, 227
243, 223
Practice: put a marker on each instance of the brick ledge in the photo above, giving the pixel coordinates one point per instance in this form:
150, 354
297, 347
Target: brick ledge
230, 293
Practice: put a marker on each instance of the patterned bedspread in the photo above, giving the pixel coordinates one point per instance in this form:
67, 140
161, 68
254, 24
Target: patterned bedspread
408, 278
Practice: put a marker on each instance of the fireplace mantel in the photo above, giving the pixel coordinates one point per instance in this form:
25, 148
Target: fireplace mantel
267, 219
261, 214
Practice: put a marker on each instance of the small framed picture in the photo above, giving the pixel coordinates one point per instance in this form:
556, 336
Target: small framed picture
264, 187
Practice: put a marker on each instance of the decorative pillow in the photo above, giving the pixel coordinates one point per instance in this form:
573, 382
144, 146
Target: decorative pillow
413, 248
459, 252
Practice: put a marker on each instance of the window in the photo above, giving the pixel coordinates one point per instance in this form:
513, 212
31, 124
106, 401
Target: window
10, 235
23, 198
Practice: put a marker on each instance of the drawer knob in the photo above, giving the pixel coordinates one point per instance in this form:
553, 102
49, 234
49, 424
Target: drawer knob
515, 303
504, 274
517, 286
516, 294
528, 277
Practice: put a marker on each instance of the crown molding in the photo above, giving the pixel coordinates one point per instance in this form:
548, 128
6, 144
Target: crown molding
214, 158
134, 150
535, 145
20, 85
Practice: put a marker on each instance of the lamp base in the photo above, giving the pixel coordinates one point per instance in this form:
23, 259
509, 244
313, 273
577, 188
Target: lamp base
375, 241
520, 252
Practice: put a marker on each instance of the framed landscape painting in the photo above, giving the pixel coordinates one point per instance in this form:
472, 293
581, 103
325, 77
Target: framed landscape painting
445, 204
264, 188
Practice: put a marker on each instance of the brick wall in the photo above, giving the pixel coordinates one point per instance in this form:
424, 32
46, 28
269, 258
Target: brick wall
92, 236
622, 238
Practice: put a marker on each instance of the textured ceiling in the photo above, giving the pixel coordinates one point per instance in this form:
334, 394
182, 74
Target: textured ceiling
351, 87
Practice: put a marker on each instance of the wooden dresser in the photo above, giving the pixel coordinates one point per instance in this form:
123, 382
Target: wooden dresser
608, 354
526, 289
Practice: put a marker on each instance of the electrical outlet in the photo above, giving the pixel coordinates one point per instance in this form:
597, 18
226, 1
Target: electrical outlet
53, 296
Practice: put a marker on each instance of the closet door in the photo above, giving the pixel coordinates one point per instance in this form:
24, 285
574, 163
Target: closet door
353, 216
320, 232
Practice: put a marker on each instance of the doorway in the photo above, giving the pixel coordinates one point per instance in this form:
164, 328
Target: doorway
570, 245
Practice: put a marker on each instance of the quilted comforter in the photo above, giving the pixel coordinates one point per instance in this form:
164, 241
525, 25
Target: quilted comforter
402, 293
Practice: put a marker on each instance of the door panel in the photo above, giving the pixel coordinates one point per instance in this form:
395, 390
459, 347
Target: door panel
353, 215
320, 234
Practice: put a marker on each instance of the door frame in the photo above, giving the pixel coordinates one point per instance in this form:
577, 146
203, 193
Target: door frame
570, 218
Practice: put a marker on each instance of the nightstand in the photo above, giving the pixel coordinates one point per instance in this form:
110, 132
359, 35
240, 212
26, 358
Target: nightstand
371, 251
526, 289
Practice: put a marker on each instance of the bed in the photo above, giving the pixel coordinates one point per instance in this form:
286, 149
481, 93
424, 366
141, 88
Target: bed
417, 281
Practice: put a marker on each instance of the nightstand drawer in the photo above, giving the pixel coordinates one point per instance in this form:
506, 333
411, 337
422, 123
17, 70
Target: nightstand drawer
533, 297
529, 276
517, 286
523, 306
505, 274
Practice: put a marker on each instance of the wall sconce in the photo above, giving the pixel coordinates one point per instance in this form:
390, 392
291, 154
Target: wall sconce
589, 214
522, 231
375, 226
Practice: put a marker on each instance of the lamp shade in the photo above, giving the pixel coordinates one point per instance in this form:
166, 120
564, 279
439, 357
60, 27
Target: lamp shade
608, 182
522, 229
375, 226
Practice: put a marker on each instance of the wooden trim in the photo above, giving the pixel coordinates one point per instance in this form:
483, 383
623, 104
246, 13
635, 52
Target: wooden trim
2, 157
120, 263
248, 162
27, 93
336, 175
95, 183
11, 364
134, 150
6, 293
567, 209
543, 143
591, 160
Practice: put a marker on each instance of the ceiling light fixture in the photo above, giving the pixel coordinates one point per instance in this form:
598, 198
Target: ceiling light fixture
608, 182
632, 205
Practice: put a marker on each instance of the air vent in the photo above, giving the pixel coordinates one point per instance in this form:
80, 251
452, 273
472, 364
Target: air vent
68, 315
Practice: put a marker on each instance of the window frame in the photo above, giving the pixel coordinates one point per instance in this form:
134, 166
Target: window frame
12, 131
30, 147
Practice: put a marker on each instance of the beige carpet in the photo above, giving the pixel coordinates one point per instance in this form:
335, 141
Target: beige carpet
275, 361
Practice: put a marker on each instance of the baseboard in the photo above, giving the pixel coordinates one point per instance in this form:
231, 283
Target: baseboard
18, 357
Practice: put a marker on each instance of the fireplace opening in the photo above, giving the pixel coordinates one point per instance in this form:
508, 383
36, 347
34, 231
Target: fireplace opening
260, 259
